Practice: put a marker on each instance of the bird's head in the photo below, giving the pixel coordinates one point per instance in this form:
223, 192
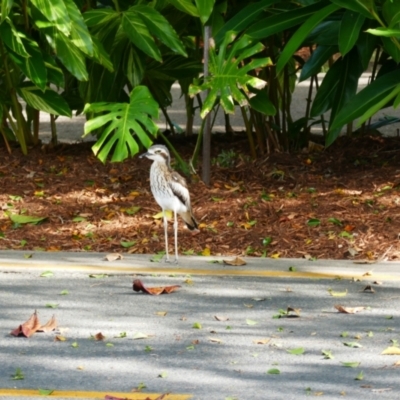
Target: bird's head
158, 153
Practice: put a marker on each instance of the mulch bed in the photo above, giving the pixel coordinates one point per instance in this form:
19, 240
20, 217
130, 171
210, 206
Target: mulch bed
336, 204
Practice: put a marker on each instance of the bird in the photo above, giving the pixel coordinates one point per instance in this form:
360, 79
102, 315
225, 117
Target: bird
170, 192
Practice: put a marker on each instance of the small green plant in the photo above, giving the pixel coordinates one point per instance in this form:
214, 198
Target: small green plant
225, 159
18, 375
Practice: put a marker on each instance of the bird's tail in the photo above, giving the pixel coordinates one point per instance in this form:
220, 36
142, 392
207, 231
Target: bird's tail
189, 220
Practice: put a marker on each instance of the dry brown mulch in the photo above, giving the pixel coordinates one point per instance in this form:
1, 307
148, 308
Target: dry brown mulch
340, 203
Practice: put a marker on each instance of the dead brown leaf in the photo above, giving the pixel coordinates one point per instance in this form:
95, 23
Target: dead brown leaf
368, 273
262, 341
138, 286
236, 262
221, 318
49, 326
368, 289
295, 310
32, 325
215, 340
99, 336
348, 310
113, 257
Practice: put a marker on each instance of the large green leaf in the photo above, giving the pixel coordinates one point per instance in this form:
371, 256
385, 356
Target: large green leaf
351, 70
359, 6
55, 74
262, 103
120, 122
383, 31
5, 8
366, 46
138, 33
325, 34
317, 59
160, 27
349, 30
33, 66
379, 105
71, 57
227, 77
205, 8
366, 99
100, 17
186, 6
282, 21
100, 55
324, 98
80, 35
243, 18
391, 48
391, 12
56, 12
301, 33
13, 38
48, 101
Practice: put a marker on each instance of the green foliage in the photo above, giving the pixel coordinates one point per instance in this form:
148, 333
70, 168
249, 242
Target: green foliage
121, 121
227, 78
121, 59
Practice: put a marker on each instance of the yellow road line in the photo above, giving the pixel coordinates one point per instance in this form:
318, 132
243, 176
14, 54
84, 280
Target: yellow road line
204, 272
92, 395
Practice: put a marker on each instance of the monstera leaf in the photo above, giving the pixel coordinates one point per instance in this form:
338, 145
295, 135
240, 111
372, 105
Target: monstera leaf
121, 123
229, 77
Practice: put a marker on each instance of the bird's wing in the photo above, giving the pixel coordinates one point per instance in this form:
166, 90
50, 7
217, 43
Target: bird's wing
179, 187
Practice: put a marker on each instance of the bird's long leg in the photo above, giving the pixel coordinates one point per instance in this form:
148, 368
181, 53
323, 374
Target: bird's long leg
176, 236
166, 235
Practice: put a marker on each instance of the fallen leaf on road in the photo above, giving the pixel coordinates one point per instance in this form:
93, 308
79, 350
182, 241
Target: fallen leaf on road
32, 325
215, 340
221, 318
45, 392
297, 352
348, 310
352, 344
140, 335
295, 310
60, 338
261, 341
155, 291
113, 257
99, 336
391, 351
337, 294
368, 273
368, 289
351, 364
161, 313
236, 262
49, 326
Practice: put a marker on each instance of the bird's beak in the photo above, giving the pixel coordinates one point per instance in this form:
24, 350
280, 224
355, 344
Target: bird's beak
144, 155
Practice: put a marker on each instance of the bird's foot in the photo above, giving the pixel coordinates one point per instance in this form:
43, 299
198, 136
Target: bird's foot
169, 261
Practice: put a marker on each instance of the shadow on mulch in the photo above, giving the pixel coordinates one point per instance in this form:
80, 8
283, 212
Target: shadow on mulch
339, 203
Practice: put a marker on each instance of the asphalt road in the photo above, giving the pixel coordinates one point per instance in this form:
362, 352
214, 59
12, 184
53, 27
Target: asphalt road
155, 341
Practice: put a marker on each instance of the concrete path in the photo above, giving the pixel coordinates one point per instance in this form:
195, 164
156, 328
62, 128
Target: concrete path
225, 334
